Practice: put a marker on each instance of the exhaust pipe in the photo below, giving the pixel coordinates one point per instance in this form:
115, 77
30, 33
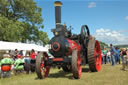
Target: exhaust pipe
57, 5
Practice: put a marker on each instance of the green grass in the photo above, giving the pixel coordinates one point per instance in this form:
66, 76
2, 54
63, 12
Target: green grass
109, 75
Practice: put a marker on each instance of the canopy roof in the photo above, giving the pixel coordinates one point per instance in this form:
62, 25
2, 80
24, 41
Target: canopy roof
21, 46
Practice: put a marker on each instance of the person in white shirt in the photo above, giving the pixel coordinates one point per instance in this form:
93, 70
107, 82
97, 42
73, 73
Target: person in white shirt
108, 56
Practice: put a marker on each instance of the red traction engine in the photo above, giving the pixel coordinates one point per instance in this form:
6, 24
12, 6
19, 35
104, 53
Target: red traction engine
70, 51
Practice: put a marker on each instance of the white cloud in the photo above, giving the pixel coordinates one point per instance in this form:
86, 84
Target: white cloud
91, 5
108, 36
126, 17
123, 30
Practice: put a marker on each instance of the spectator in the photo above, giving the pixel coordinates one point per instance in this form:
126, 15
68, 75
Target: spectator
21, 53
15, 54
125, 58
27, 57
27, 62
117, 55
113, 53
6, 63
33, 54
10, 53
19, 64
104, 55
127, 54
121, 54
33, 60
108, 56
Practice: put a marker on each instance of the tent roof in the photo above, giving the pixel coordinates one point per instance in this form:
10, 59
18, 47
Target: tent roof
20, 46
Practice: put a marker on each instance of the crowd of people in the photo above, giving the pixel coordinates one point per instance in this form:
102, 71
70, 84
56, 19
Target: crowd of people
114, 55
16, 62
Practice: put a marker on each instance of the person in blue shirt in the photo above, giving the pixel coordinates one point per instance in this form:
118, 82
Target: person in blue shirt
117, 55
113, 53
21, 53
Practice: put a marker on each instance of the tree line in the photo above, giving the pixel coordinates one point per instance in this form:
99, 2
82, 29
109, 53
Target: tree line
103, 45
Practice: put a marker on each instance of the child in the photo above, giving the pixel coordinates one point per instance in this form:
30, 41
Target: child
19, 64
6, 63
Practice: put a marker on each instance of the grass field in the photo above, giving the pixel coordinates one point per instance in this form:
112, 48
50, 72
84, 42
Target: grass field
109, 75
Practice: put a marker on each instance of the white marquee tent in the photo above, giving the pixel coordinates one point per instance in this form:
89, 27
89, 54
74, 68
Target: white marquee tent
21, 46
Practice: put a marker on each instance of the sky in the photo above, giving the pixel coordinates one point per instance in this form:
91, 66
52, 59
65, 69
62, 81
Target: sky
106, 19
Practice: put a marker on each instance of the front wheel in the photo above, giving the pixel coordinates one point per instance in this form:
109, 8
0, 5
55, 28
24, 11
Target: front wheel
76, 67
42, 69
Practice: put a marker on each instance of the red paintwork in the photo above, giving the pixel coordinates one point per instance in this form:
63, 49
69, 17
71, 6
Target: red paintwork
6, 68
73, 46
57, 59
97, 52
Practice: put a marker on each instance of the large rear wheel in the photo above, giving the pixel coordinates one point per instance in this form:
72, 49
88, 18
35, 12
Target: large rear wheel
42, 69
94, 55
76, 67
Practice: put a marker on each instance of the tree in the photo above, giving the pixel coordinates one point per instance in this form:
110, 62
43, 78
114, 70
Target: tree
102, 45
21, 20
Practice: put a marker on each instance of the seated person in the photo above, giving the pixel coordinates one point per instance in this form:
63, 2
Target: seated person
6, 63
19, 64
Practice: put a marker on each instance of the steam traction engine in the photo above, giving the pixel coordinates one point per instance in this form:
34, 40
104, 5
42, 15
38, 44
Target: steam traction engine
70, 51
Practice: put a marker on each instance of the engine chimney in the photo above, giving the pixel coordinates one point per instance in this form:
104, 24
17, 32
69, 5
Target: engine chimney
57, 5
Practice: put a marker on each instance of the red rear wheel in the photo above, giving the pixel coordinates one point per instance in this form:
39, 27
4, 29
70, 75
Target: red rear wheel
94, 55
76, 67
42, 69
97, 56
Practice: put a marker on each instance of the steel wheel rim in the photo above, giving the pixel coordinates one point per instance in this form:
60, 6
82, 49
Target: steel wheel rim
97, 55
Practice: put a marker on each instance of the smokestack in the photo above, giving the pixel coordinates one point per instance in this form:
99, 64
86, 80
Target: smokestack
58, 5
